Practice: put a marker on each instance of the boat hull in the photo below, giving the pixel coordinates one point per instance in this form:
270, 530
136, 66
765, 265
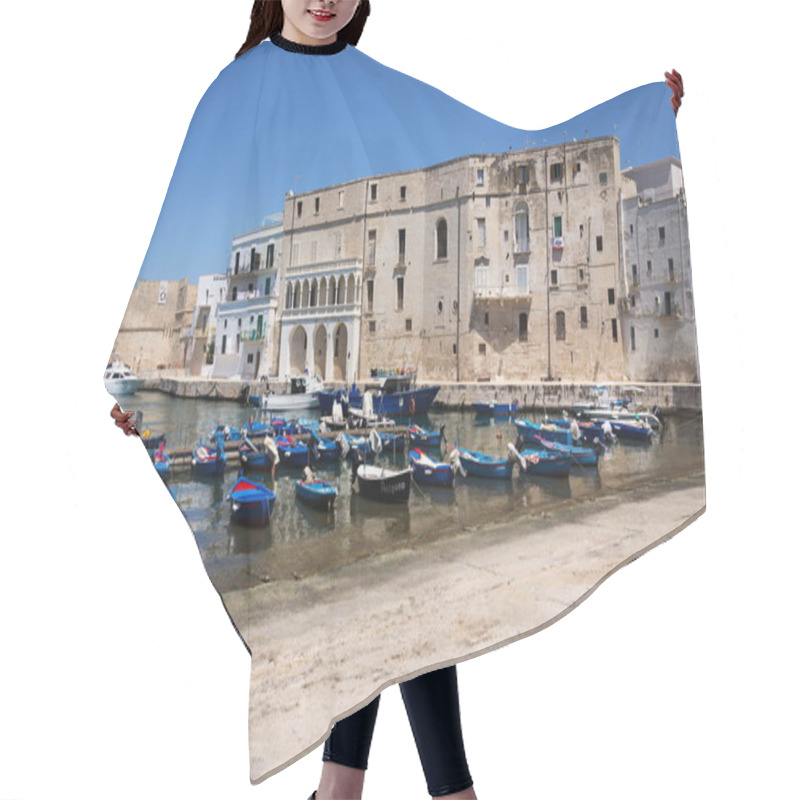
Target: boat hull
384, 486
479, 465
416, 402
317, 494
436, 474
543, 463
251, 503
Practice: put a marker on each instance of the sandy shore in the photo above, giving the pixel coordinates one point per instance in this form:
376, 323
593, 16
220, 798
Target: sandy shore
326, 645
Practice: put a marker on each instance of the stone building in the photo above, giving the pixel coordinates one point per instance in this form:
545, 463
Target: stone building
156, 330
659, 328
487, 267
211, 291
246, 322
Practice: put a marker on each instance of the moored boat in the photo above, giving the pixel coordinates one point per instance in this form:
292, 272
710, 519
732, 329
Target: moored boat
315, 492
251, 502
420, 437
496, 409
120, 380
209, 460
429, 472
583, 456
552, 464
291, 394
481, 465
392, 395
528, 431
380, 483
293, 453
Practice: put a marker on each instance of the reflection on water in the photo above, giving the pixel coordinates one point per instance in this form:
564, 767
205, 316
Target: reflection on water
300, 540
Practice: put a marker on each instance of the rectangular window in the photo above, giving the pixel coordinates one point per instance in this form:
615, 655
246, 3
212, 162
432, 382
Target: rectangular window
373, 191
401, 246
482, 349
403, 193
599, 244
401, 287
667, 304
611, 297
270, 256
655, 333
584, 317
370, 295
554, 277
234, 294
408, 324
603, 178
249, 358
485, 317
299, 209
556, 172
561, 326
316, 205
557, 228
479, 177
633, 338
649, 267
372, 326
267, 287
341, 199
581, 275
631, 228
635, 274
224, 344
488, 201
614, 334
522, 175
662, 234
671, 269
481, 223
372, 242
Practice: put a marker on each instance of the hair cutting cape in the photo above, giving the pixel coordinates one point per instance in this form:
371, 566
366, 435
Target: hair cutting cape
339, 238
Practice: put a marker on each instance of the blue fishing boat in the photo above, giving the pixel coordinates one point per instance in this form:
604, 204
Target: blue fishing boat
161, 461
633, 429
528, 431
209, 459
315, 492
228, 433
323, 448
292, 452
429, 472
256, 427
481, 465
392, 395
583, 456
256, 457
496, 409
420, 437
251, 502
590, 432
549, 463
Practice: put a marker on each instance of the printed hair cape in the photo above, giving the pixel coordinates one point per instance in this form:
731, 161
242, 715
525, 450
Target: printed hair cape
499, 322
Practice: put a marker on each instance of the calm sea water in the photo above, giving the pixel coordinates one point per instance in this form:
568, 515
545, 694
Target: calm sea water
298, 540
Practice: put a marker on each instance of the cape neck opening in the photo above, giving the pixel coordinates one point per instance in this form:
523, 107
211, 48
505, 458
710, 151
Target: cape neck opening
308, 49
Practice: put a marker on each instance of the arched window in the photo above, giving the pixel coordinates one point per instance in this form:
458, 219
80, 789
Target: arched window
296, 299
340, 291
441, 239
289, 295
323, 292
522, 241
306, 292
313, 300
351, 289
561, 325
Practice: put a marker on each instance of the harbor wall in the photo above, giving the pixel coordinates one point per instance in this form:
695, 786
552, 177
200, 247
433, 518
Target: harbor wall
539, 396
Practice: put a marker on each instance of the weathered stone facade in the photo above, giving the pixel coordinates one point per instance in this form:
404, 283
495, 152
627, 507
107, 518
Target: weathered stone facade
488, 267
659, 330
156, 331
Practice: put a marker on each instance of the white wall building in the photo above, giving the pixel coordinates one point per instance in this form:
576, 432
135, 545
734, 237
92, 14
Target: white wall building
246, 321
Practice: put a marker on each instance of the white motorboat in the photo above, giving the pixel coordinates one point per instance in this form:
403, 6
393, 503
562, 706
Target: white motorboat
293, 394
119, 379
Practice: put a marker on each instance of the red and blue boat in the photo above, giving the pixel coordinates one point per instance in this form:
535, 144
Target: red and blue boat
251, 502
392, 395
293, 453
548, 463
426, 471
421, 437
581, 456
209, 460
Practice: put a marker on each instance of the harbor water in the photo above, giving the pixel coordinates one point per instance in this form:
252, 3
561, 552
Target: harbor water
298, 540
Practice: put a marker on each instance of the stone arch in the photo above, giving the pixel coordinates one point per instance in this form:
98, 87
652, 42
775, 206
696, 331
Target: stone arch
314, 294
296, 298
289, 295
320, 351
351, 289
298, 350
323, 292
340, 291
332, 291
340, 344
306, 293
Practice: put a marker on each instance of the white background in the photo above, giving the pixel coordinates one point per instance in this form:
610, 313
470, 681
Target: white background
120, 675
